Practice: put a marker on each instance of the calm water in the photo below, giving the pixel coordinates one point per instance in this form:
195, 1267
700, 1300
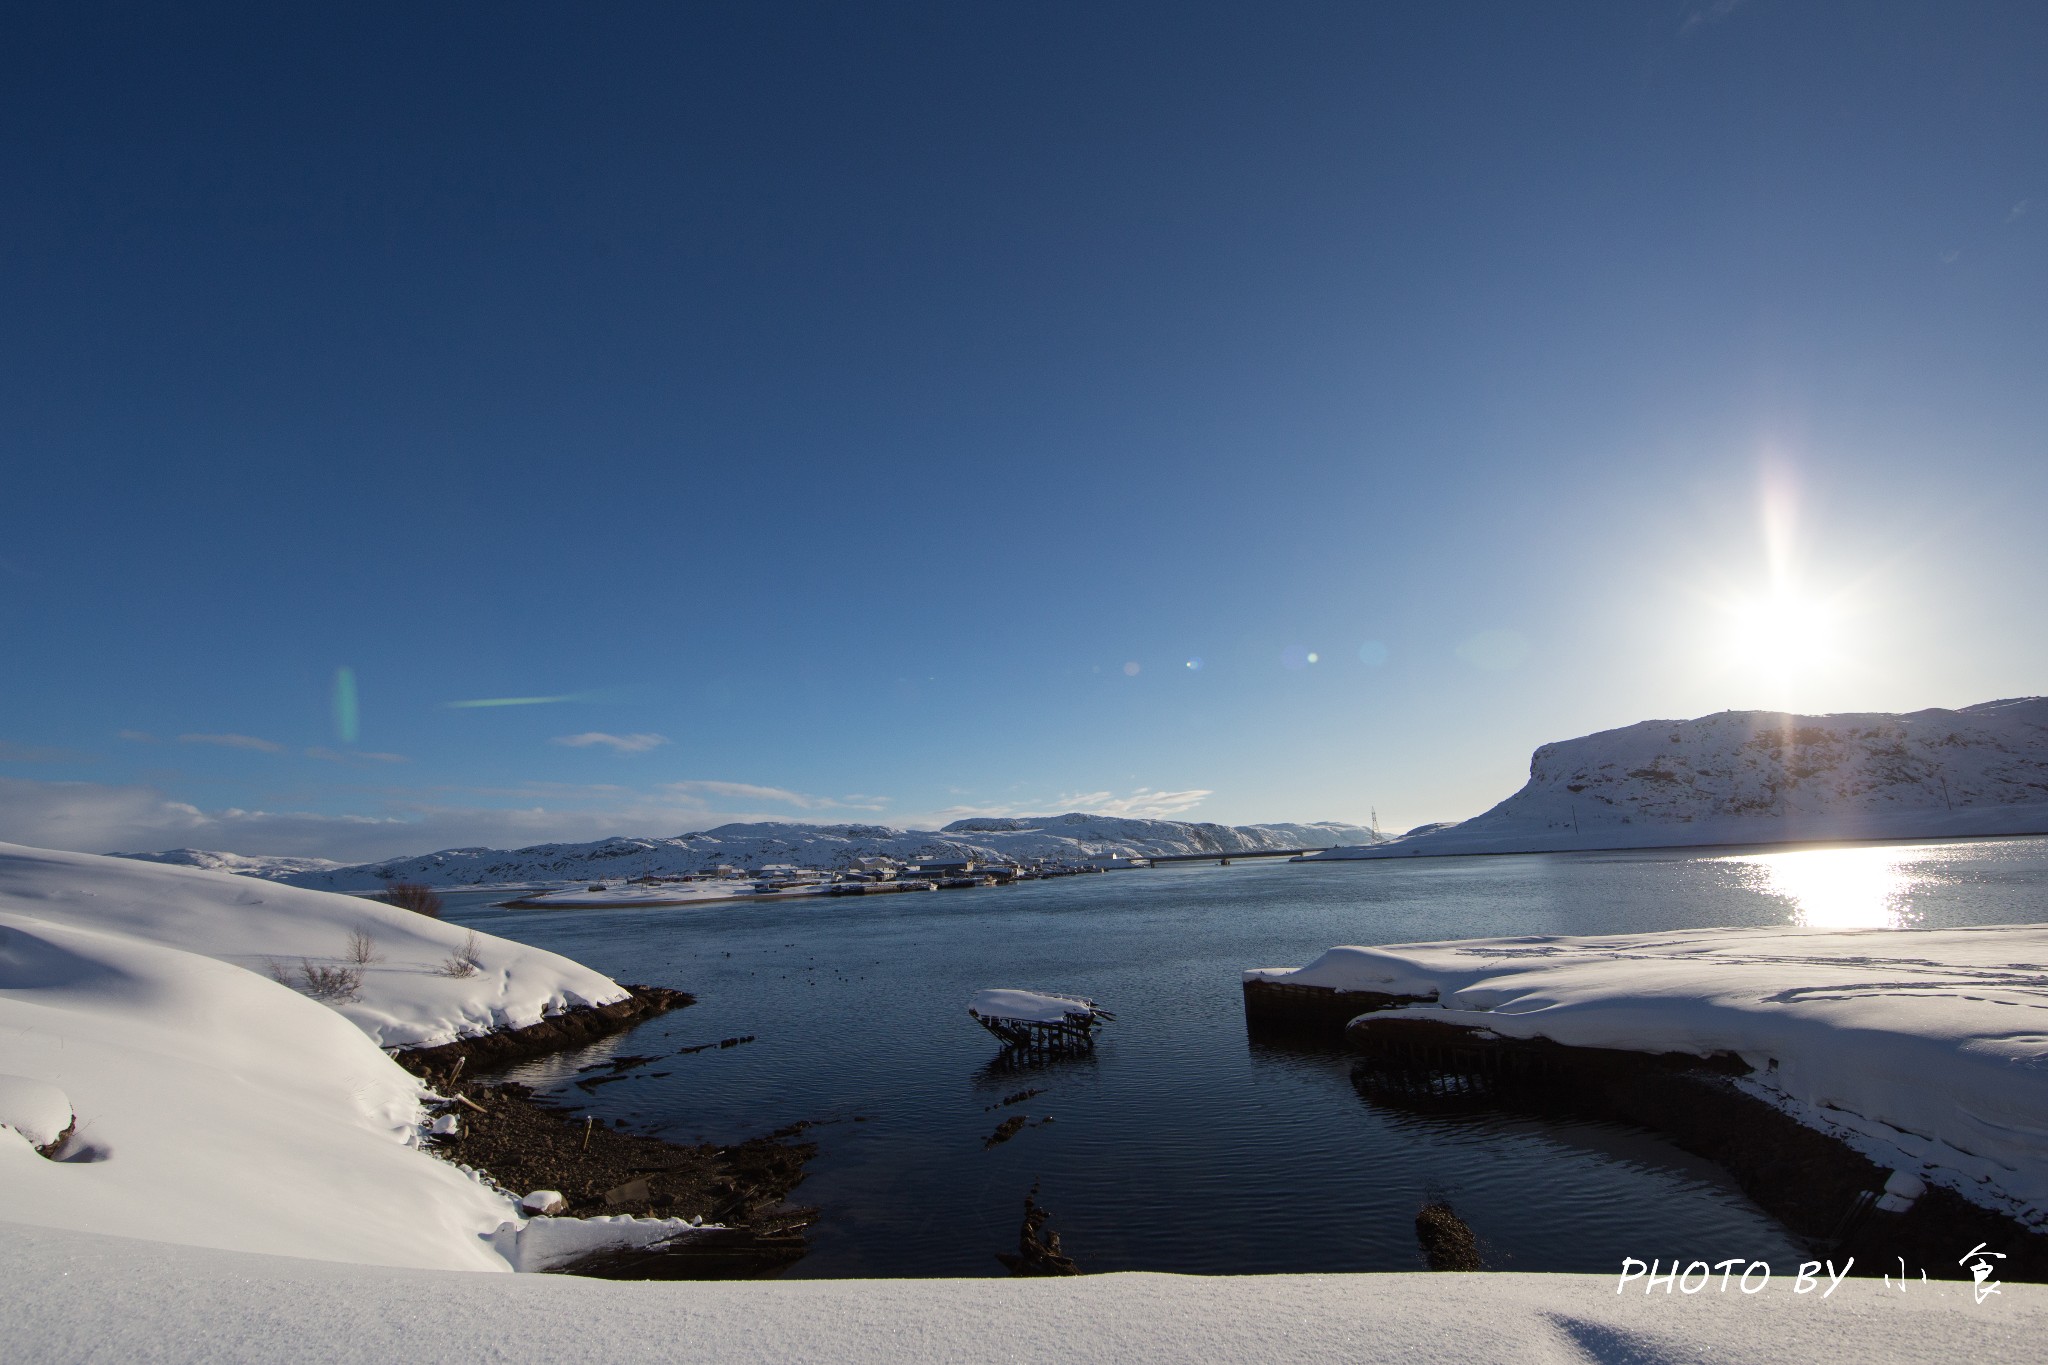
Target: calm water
1180, 1146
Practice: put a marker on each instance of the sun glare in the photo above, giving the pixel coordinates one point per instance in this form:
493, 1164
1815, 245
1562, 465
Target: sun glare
1783, 634
1782, 644
1840, 888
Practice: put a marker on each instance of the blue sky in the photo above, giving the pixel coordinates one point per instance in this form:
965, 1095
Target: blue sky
873, 412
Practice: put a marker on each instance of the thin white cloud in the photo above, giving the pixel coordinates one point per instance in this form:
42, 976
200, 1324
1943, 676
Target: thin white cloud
748, 791
625, 744
510, 701
93, 818
10, 752
234, 742
1143, 803
354, 756
2019, 210
949, 814
136, 736
1712, 13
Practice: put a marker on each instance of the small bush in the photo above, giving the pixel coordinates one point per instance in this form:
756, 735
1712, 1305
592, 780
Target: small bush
362, 949
467, 962
332, 984
412, 896
280, 972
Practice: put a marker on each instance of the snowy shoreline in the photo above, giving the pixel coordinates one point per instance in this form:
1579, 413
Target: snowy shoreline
215, 1101
2026, 822
1923, 1049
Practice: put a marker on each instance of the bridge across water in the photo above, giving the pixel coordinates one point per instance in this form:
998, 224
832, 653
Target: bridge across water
1230, 857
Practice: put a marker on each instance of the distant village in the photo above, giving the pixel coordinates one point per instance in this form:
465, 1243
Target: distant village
863, 877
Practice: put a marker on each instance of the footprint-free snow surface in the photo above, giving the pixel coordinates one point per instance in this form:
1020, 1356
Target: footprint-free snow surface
211, 1105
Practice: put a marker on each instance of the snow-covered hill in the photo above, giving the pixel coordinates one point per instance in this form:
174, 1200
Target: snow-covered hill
1069, 838
247, 865
212, 1105
1743, 777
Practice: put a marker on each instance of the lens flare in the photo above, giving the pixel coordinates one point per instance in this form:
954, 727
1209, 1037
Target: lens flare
347, 718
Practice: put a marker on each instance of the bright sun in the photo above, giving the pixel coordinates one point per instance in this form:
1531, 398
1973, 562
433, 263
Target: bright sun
1785, 643
1783, 635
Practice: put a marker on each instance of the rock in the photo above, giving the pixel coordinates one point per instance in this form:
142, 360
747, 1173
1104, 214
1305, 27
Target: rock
1038, 1249
632, 1192
1447, 1244
544, 1203
37, 1110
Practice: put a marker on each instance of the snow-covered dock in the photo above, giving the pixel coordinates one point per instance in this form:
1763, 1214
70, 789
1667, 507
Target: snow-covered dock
1925, 1050
1033, 1021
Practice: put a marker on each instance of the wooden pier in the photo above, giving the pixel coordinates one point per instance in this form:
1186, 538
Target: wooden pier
1063, 1025
1310, 1013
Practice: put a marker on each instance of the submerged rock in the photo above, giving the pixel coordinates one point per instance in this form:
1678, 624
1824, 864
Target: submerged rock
1447, 1244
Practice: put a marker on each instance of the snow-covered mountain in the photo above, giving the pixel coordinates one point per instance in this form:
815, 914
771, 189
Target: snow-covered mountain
1742, 777
246, 864
1069, 838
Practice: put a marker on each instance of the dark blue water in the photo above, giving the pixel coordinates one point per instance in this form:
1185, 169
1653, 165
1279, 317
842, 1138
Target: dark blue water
1180, 1146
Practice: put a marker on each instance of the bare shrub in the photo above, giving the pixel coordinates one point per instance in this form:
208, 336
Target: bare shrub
362, 949
332, 984
412, 896
280, 972
467, 962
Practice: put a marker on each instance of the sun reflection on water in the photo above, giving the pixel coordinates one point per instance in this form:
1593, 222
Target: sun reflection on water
1840, 888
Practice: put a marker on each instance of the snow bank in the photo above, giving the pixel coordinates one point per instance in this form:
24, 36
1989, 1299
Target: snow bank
1927, 1049
402, 1001
74, 1297
217, 1108
1759, 777
548, 1243
1029, 1005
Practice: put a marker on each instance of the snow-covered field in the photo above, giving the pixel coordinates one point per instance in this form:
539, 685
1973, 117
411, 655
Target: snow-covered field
211, 1105
1762, 777
1925, 1049
73, 1297
1070, 838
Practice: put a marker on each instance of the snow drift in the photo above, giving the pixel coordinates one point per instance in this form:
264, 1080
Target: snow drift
210, 1105
403, 1001
1752, 777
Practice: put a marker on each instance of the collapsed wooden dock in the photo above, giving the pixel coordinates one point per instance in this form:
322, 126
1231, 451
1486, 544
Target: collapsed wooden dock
1032, 1022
